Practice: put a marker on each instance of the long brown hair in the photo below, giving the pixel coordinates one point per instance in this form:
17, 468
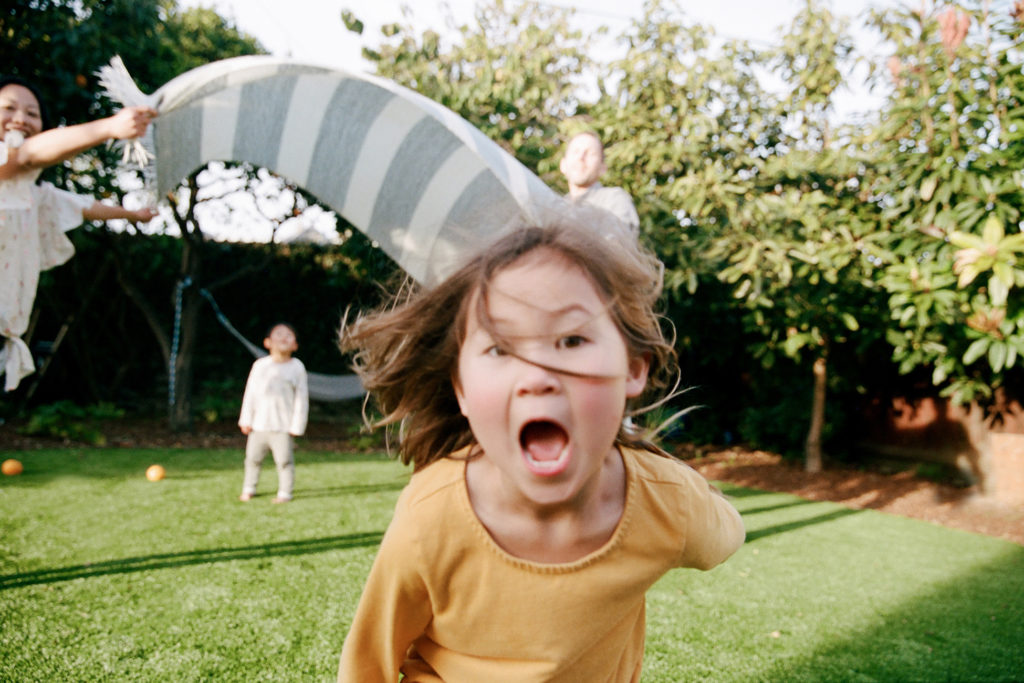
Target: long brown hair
407, 353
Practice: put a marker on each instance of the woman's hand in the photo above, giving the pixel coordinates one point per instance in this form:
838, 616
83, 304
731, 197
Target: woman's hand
131, 122
144, 215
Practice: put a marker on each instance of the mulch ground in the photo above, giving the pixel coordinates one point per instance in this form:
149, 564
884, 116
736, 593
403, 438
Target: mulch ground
899, 493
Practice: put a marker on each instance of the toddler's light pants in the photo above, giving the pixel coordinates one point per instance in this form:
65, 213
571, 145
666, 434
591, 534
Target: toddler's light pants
280, 445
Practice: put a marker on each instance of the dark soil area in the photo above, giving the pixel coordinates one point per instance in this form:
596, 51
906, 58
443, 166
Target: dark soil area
899, 492
875, 487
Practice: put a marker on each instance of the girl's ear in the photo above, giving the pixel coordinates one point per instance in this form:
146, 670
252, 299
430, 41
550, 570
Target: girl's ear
636, 375
459, 396
266, 343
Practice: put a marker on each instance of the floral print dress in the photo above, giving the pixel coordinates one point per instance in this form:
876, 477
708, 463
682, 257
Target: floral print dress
33, 220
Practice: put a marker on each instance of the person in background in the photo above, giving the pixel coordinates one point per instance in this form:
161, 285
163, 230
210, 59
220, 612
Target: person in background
583, 165
275, 407
34, 216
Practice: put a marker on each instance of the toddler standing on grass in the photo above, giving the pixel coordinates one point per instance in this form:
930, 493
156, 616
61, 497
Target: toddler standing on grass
274, 411
534, 522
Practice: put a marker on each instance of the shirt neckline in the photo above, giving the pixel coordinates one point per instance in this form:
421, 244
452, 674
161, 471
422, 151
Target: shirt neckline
606, 549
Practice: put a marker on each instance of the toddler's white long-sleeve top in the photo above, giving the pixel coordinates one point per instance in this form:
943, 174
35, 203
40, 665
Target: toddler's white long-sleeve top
276, 397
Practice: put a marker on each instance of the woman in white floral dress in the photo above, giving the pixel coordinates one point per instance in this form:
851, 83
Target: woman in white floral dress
34, 216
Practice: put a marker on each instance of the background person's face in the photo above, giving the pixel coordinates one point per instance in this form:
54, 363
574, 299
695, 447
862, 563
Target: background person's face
19, 110
583, 163
282, 340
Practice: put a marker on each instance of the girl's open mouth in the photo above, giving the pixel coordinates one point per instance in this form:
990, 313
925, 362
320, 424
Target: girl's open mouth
545, 447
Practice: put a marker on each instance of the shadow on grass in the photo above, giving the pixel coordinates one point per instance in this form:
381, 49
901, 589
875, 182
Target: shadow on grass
743, 494
781, 506
969, 628
352, 489
737, 491
171, 560
799, 524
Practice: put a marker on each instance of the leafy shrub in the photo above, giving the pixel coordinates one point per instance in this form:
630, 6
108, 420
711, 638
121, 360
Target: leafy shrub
221, 398
67, 420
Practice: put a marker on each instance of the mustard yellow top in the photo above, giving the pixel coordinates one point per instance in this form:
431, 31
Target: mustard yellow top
444, 602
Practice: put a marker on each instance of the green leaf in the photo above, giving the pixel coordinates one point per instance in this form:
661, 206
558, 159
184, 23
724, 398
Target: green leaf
794, 343
997, 356
1013, 242
928, 187
993, 231
967, 276
351, 22
998, 291
965, 240
1004, 271
976, 350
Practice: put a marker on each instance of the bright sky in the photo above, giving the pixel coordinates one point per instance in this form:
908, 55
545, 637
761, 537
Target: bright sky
312, 30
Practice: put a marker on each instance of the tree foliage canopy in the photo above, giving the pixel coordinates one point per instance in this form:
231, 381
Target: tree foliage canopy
899, 236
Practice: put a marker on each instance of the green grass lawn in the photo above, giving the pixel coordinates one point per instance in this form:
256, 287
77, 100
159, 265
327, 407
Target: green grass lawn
105, 576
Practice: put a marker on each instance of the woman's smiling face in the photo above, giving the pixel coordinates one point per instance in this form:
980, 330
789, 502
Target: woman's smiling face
545, 400
19, 110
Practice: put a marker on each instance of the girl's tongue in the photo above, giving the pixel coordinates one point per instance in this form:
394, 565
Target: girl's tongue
544, 447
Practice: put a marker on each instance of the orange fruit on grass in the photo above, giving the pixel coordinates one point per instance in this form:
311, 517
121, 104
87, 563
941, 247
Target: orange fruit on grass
11, 467
155, 473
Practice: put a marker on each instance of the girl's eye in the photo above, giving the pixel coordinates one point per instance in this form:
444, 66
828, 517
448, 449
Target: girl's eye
494, 351
571, 341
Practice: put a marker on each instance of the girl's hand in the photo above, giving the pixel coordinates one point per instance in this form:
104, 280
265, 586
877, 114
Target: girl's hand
131, 122
143, 215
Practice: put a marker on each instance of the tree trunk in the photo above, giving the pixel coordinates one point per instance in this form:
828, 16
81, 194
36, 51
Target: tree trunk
979, 450
812, 449
179, 415
179, 406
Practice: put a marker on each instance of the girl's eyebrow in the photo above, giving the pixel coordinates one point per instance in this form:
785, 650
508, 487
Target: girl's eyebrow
556, 313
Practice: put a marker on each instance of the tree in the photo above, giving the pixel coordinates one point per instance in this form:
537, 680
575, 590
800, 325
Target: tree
948, 184
799, 250
745, 186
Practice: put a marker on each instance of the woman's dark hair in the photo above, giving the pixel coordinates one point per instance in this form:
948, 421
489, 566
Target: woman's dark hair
15, 80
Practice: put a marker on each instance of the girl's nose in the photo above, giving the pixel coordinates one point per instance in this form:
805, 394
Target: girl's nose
536, 380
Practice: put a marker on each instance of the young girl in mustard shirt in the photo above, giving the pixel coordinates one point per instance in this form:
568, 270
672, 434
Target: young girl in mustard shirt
536, 517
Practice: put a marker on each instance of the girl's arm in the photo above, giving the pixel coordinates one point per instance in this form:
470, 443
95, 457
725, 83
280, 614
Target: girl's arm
394, 609
105, 212
715, 529
57, 144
